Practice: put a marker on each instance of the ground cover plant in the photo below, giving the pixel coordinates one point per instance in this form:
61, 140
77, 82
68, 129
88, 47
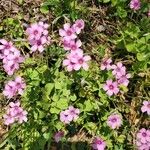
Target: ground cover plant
75, 75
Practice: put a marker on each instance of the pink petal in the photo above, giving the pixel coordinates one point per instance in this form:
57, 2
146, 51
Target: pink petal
66, 26
62, 32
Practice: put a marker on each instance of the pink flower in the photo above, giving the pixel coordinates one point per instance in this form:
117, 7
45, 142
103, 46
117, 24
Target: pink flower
80, 61
123, 80
146, 107
75, 46
14, 108
114, 121
111, 87
6, 47
98, 144
135, 4
9, 90
106, 64
34, 31
72, 45
67, 33
70, 114
12, 88
15, 113
65, 117
8, 119
38, 44
22, 116
76, 60
58, 136
74, 112
118, 70
78, 25
143, 136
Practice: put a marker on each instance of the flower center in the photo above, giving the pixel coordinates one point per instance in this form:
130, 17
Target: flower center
35, 32
111, 87
39, 42
105, 63
136, 4
73, 47
144, 134
79, 25
99, 142
69, 32
114, 120
80, 61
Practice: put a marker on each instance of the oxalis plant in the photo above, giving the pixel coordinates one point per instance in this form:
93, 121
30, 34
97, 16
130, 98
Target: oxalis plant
56, 92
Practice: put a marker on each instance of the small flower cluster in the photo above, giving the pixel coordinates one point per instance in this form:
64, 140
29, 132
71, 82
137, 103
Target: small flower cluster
12, 88
15, 113
114, 121
135, 4
146, 107
98, 144
70, 114
11, 56
143, 139
38, 36
75, 59
119, 72
58, 136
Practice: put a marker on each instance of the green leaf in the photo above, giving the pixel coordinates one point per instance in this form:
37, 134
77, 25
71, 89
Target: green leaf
141, 56
131, 47
48, 88
47, 135
58, 85
88, 105
62, 103
44, 9
121, 138
54, 110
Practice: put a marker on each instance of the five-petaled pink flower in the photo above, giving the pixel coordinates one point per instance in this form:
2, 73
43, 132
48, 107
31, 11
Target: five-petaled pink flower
146, 107
65, 117
76, 60
106, 64
78, 26
114, 121
58, 136
70, 114
143, 139
124, 79
111, 87
118, 70
67, 33
143, 135
135, 4
98, 144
